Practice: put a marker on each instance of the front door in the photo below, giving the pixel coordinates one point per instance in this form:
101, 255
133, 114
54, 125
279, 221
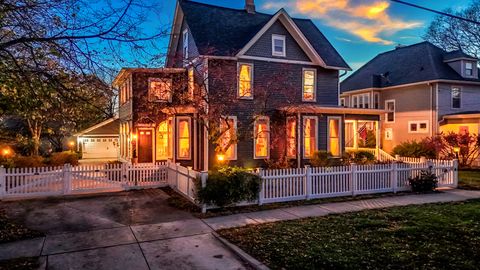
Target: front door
145, 146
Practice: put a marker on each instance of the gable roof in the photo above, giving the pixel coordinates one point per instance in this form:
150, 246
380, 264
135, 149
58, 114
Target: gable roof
221, 31
403, 65
108, 127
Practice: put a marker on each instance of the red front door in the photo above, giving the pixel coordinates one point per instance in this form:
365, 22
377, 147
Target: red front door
145, 154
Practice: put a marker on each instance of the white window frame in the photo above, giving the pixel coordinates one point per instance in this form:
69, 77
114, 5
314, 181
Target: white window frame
340, 134
305, 118
363, 99
342, 102
354, 101
465, 68
376, 95
283, 39
417, 123
255, 137
185, 44
234, 118
451, 97
394, 111
314, 85
177, 139
251, 80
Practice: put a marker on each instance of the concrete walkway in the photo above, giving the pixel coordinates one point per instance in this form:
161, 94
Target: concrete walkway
317, 210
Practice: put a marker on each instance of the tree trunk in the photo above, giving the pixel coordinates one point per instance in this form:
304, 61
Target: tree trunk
35, 132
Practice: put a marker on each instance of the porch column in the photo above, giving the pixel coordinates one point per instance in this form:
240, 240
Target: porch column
355, 134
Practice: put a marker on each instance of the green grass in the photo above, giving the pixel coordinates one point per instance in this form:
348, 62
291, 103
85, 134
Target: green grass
469, 179
435, 236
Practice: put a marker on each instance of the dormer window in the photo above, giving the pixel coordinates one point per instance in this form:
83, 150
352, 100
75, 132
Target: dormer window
185, 44
278, 45
469, 69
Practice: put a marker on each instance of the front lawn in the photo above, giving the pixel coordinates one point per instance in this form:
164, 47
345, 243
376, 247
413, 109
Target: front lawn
438, 236
469, 179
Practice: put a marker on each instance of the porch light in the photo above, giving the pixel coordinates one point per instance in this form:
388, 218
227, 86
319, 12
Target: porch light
71, 144
456, 149
6, 152
134, 137
220, 157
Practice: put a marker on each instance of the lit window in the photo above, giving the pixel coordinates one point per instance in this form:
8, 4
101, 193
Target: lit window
262, 138
245, 80
334, 136
309, 136
183, 133
418, 127
468, 69
191, 82
390, 108
309, 88
291, 137
278, 45
185, 44
227, 142
164, 140
456, 98
159, 89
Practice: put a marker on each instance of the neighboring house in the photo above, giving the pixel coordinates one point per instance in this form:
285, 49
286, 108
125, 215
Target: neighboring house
269, 83
424, 89
100, 141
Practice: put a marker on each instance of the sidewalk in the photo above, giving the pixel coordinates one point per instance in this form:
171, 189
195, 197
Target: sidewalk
298, 212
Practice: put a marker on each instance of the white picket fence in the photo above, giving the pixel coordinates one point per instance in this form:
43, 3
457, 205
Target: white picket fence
183, 180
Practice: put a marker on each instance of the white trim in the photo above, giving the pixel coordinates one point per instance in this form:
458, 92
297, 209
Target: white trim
314, 85
340, 134
465, 69
303, 133
282, 38
185, 45
417, 123
101, 124
239, 64
451, 97
235, 121
178, 119
387, 111
255, 137
275, 60
376, 94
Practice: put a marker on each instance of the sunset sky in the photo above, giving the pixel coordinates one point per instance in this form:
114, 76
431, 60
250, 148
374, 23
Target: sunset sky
359, 29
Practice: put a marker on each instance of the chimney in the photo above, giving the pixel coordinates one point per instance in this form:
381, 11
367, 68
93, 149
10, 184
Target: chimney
250, 6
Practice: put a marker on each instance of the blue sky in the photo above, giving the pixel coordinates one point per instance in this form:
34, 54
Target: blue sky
358, 29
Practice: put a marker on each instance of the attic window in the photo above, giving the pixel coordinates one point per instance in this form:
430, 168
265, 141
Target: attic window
468, 69
185, 44
278, 45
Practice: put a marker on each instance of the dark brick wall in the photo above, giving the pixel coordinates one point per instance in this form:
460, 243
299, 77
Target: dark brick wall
263, 47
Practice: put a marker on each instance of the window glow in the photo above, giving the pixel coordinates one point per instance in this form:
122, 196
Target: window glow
164, 140
227, 142
159, 89
309, 85
291, 137
262, 137
183, 151
334, 136
191, 82
309, 137
245, 81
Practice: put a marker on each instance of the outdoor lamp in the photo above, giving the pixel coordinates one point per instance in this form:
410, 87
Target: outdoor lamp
456, 149
6, 152
220, 157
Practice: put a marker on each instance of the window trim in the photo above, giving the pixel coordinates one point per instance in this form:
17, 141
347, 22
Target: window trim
340, 134
177, 140
342, 101
283, 39
170, 93
287, 137
314, 85
185, 47
387, 111
365, 98
418, 122
170, 140
451, 97
377, 107
303, 134
234, 118
465, 69
255, 135
239, 65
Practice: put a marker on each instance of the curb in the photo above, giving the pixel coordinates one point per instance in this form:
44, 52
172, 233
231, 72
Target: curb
242, 254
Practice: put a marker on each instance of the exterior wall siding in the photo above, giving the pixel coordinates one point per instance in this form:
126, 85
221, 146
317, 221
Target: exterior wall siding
470, 99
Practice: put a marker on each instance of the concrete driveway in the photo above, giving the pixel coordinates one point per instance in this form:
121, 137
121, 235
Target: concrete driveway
128, 230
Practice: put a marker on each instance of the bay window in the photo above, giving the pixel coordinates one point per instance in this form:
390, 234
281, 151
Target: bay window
291, 137
184, 138
309, 84
245, 79
310, 124
262, 138
227, 142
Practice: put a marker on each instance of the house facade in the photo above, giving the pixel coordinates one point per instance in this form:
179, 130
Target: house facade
241, 87
423, 89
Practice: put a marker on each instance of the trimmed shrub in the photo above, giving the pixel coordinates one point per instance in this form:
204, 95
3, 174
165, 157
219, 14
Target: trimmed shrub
415, 149
228, 186
427, 181
27, 161
360, 157
62, 158
324, 159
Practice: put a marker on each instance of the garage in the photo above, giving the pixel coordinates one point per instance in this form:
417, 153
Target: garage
100, 142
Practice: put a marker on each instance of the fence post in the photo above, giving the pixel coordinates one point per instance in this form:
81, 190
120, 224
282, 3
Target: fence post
176, 174
397, 158
423, 160
353, 178
455, 173
124, 173
394, 177
261, 194
67, 178
3, 182
308, 180
203, 177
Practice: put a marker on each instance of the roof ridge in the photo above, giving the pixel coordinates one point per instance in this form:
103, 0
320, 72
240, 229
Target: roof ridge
222, 7
430, 56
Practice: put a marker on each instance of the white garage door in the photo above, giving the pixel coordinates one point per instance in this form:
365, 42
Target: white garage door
106, 148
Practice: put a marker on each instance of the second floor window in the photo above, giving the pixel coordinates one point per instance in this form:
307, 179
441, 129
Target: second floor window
390, 108
159, 89
361, 101
342, 102
261, 138
309, 86
456, 98
185, 44
245, 76
468, 69
278, 45
376, 100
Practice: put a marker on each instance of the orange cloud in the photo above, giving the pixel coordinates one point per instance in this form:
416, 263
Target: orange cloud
369, 21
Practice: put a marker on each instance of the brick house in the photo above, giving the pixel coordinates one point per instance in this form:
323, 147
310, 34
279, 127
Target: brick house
424, 89
241, 87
